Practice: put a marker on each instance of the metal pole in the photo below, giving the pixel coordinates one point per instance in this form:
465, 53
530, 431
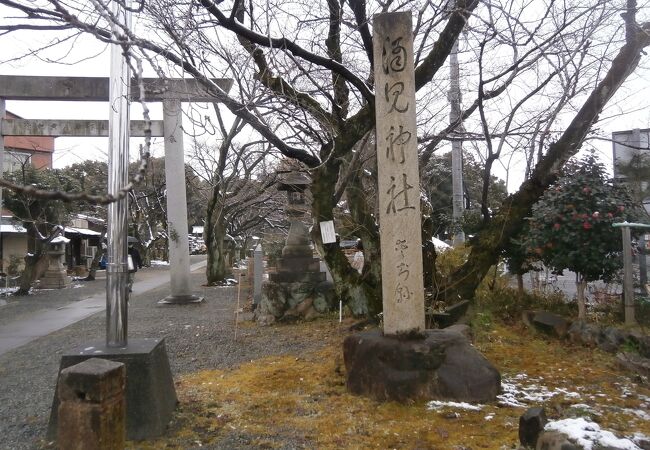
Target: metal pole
118, 164
456, 148
3, 111
628, 285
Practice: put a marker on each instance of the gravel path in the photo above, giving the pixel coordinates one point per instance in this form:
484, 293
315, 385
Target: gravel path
197, 337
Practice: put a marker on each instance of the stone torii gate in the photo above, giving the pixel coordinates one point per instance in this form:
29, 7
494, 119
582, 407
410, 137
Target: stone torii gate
150, 390
170, 92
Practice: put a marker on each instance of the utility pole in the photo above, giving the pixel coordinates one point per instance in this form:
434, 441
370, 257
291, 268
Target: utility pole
456, 147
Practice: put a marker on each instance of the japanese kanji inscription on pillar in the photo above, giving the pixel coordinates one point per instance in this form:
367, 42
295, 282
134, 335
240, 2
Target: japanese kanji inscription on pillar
399, 184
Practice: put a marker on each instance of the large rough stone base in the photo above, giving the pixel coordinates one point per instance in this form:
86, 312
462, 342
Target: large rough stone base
150, 394
442, 365
292, 301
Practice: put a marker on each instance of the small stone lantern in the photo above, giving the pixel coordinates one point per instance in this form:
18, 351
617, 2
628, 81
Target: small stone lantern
55, 277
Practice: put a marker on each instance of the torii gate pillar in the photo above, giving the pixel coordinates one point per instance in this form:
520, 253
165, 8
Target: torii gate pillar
177, 227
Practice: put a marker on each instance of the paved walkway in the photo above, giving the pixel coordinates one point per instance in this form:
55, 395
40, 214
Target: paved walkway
28, 327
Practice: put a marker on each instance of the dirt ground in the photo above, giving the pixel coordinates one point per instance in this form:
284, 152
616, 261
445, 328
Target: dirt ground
300, 401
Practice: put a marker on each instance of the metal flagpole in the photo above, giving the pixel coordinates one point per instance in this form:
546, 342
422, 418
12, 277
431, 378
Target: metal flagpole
118, 164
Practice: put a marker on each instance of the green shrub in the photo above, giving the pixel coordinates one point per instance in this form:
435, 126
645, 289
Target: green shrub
507, 303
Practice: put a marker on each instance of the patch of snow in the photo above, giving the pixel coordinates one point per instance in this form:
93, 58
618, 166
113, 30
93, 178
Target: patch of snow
436, 404
641, 414
581, 406
568, 394
521, 390
489, 417
587, 434
156, 262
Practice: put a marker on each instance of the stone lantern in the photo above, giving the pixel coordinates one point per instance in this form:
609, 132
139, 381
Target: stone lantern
298, 289
55, 277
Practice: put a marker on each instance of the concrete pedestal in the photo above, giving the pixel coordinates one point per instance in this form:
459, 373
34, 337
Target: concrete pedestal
150, 394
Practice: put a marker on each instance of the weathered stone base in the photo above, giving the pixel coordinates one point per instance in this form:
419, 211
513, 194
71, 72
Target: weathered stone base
54, 280
283, 301
92, 408
181, 299
150, 394
442, 365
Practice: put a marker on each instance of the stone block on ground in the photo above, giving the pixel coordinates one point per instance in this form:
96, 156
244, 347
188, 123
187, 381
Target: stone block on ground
581, 332
611, 339
441, 365
637, 340
551, 324
92, 408
553, 440
451, 314
634, 363
150, 393
531, 425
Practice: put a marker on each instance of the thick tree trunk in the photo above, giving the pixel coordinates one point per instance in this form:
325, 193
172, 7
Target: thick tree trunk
215, 233
216, 271
94, 265
29, 274
520, 284
508, 222
360, 292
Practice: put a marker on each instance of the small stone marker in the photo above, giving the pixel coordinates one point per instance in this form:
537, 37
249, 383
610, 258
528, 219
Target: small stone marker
92, 412
399, 184
258, 274
531, 425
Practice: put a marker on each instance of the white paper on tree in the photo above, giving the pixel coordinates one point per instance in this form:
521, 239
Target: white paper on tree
327, 232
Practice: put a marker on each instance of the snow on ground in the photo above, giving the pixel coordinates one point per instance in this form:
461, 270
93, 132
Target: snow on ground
155, 262
7, 291
587, 434
436, 404
521, 391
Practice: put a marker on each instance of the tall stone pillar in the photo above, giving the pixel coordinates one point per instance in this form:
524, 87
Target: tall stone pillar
398, 176
177, 228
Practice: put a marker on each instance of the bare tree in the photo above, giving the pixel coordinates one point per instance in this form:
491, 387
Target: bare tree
240, 196
532, 75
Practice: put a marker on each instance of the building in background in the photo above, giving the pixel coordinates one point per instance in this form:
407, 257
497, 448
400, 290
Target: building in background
34, 150
19, 151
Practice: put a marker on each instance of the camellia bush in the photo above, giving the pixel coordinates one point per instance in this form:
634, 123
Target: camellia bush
571, 225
